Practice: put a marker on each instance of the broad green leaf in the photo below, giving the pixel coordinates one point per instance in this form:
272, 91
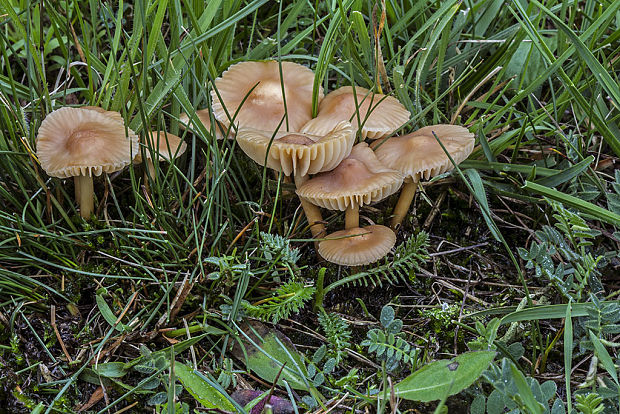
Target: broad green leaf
443, 378
201, 390
525, 392
108, 315
110, 369
265, 352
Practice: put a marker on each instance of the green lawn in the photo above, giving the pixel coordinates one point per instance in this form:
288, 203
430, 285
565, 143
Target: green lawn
184, 290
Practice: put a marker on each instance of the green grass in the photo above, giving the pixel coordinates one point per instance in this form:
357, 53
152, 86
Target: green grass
536, 82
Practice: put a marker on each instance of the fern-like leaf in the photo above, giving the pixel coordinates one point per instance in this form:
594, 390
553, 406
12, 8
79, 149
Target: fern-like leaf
289, 298
337, 332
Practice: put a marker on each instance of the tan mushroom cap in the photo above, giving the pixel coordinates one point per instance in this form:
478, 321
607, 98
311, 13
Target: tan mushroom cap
418, 155
76, 141
110, 114
359, 179
167, 145
368, 245
205, 119
263, 108
296, 153
379, 115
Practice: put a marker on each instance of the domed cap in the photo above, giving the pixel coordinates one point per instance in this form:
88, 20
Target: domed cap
298, 153
359, 179
419, 155
263, 108
165, 144
358, 246
76, 141
110, 114
379, 115
204, 117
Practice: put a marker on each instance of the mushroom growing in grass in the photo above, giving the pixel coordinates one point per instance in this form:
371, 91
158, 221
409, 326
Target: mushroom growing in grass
82, 143
163, 144
204, 117
379, 115
358, 180
299, 154
419, 156
255, 95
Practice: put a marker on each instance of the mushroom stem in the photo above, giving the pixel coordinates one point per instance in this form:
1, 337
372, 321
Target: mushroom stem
313, 214
351, 217
404, 202
150, 169
76, 188
84, 187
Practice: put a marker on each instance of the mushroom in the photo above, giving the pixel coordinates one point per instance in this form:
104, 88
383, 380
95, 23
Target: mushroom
359, 179
358, 246
299, 154
418, 155
378, 115
167, 146
205, 118
254, 94
76, 142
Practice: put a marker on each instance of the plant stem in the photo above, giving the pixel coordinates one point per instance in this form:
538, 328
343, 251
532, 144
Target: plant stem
404, 202
86, 193
150, 169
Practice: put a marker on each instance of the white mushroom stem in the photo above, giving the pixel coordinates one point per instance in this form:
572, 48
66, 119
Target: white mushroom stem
313, 213
404, 202
352, 217
84, 188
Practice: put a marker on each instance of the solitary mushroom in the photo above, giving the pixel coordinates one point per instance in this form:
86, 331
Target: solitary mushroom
379, 115
299, 154
167, 146
359, 179
255, 94
204, 117
76, 142
418, 155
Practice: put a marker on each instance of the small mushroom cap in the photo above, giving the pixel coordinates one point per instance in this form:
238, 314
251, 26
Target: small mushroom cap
418, 155
296, 153
367, 245
110, 114
359, 179
379, 115
203, 116
255, 90
76, 141
167, 145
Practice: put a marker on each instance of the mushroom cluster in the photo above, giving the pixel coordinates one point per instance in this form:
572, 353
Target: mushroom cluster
89, 141
269, 105
267, 108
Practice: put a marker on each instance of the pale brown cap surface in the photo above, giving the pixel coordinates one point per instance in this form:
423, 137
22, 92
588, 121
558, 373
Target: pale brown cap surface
368, 245
204, 117
110, 114
165, 144
418, 155
296, 153
380, 115
359, 179
263, 108
76, 141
